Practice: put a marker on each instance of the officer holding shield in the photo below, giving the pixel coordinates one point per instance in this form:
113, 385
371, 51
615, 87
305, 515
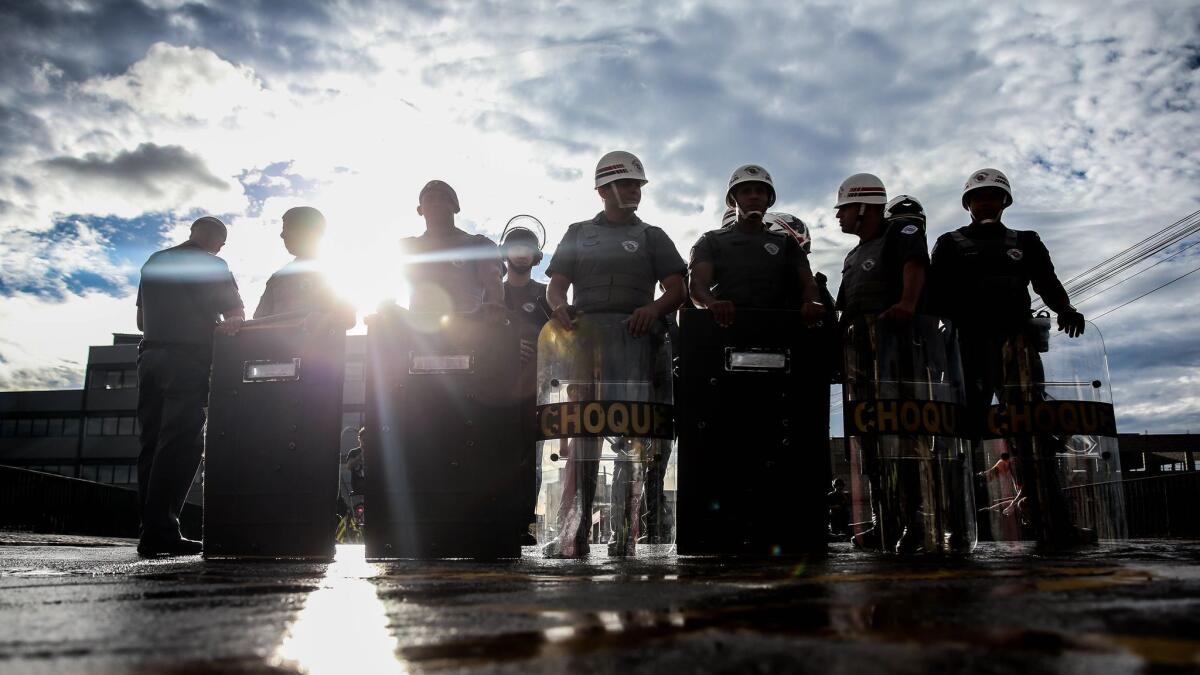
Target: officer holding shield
613, 262
184, 291
299, 287
980, 279
449, 270
747, 265
521, 245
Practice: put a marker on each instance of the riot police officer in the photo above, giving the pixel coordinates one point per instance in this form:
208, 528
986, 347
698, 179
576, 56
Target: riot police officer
521, 246
613, 262
299, 286
747, 265
883, 277
981, 274
447, 269
885, 273
184, 292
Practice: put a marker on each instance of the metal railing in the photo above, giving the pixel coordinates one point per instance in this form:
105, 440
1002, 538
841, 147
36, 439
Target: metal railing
32, 501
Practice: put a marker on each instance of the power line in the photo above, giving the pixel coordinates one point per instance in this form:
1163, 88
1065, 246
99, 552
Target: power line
1145, 294
1132, 256
1131, 276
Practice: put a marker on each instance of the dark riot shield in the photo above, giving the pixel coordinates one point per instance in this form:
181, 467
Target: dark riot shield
1049, 466
753, 435
907, 436
606, 422
442, 447
271, 447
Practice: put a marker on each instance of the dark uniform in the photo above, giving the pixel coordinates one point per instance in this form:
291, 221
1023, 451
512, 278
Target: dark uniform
183, 291
873, 274
753, 270
980, 277
528, 305
448, 273
298, 287
873, 281
615, 268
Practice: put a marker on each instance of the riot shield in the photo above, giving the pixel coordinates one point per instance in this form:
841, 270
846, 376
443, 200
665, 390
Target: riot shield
607, 440
907, 438
271, 447
753, 435
442, 446
1051, 471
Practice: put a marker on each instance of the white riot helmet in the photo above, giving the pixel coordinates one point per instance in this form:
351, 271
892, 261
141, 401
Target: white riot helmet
791, 226
903, 205
619, 165
861, 188
749, 173
730, 218
988, 178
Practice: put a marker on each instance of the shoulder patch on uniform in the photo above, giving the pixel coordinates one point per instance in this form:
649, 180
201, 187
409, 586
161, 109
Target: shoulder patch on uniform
529, 307
908, 229
630, 245
771, 247
1016, 253
868, 264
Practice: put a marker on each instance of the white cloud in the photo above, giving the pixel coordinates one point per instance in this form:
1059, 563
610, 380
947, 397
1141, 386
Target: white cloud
182, 83
1090, 109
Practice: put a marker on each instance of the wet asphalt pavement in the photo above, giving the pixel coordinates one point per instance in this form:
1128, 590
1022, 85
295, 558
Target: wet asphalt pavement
90, 605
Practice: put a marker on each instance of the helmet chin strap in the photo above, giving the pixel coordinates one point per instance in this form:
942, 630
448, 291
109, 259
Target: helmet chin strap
862, 209
621, 204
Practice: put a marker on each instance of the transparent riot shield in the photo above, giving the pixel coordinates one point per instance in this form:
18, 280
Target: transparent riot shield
1049, 467
605, 422
906, 436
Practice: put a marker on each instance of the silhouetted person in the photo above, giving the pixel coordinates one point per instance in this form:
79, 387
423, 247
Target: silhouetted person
184, 293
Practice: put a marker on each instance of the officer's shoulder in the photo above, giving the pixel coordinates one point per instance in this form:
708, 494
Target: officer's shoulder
719, 232
1027, 235
481, 240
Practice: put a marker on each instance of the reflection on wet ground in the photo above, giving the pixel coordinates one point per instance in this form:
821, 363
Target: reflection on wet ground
1131, 607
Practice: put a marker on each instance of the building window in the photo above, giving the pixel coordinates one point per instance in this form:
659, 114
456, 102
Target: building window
40, 427
125, 426
24, 427
8, 428
113, 379
354, 370
88, 472
70, 426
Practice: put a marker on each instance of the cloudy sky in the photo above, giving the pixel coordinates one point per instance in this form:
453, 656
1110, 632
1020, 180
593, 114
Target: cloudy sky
120, 122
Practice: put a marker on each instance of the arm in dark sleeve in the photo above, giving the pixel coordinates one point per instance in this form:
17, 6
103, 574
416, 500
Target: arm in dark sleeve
942, 263
701, 278
664, 257
226, 298
266, 304
804, 275
1041, 273
565, 255
912, 248
490, 269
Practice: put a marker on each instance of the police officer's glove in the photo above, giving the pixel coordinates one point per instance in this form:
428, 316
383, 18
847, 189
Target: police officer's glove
1071, 321
722, 311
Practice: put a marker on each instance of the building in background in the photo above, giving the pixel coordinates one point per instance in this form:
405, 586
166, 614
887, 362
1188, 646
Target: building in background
93, 433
